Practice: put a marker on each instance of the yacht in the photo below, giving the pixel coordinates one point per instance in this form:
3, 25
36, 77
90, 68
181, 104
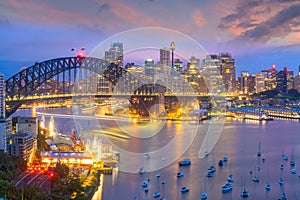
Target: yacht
204, 196
227, 187
142, 171
185, 189
255, 179
209, 174
185, 162
144, 183
220, 163
156, 194
230, 179
284, 157
268, 186
211, 169
281, 182
259, 150
245, 193
179, 174
281, 167
284, 196
293, 171
146, 189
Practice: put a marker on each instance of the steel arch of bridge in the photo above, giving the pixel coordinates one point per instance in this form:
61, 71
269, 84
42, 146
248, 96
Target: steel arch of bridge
25, 83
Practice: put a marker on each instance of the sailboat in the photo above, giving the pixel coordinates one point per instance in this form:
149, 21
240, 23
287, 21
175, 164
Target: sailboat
292, 162
244, 193
259, 149
268, 186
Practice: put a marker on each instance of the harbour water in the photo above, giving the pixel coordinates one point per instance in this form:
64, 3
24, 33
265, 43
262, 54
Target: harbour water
239, 141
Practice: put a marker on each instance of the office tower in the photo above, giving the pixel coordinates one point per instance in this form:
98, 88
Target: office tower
164, 57
149, 67
297, 81
290, 79
211, 73
227, 70
114, 54
260, 82
281, 81
178, 65
245, 83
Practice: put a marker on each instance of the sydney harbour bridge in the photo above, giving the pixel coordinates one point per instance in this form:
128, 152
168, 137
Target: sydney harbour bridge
80, 77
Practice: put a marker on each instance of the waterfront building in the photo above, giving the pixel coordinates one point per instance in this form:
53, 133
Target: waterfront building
26, 125
245, 83
290, 79
149, 67
260, 82
21, 145
227, 70
281, 81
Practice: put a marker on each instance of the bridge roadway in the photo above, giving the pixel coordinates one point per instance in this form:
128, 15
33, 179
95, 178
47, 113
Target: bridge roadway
39, 179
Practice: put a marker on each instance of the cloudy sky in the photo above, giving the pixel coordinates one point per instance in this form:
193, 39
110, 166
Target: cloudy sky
258, 33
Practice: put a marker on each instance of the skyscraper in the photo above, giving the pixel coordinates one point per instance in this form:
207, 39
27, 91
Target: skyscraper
114, 54
149, 67
227, 70
164, 57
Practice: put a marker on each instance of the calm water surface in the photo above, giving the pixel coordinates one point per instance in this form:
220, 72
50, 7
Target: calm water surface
239, 140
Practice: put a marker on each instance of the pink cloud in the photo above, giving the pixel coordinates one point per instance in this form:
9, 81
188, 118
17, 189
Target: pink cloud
198, 19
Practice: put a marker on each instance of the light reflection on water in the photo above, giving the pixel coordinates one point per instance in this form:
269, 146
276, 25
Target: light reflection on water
241, 139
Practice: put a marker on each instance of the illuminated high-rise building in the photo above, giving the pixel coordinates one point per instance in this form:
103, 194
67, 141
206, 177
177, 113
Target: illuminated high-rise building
227, 70
149, 67
114, 54
164, 57
297, 81
178, 65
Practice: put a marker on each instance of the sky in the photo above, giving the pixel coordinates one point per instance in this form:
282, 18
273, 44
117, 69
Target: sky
258, 33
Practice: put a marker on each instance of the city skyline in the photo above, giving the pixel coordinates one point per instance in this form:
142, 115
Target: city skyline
257, 33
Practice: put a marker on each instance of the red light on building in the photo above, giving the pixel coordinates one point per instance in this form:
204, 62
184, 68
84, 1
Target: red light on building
80, 55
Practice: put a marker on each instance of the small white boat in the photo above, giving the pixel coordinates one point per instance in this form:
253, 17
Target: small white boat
179, 174
245, 193
259, 149
268, 186
146, 189
255, 179
142, 171
250, 171
284, 196
209, 174
293, 171
156, 194
211, 169
163, 182
230, 179
284, 157
144, 183
147, 155
158, 175
185, 162
281, 167
204, 196
185, 189
281, 182
225, 159
227, 187
206, 153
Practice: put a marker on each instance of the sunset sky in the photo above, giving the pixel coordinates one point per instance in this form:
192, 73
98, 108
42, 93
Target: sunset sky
258, 33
